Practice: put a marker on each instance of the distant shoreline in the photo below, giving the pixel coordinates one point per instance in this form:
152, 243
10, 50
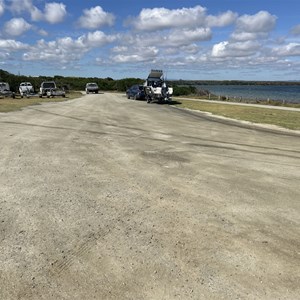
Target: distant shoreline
234, 82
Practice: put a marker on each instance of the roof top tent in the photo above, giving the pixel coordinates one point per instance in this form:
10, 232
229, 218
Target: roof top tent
155, 78
155, 75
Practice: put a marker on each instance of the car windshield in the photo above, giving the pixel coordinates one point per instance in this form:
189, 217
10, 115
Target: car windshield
48, 85
92, 84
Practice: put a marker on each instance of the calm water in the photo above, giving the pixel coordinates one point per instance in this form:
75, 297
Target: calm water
289, 93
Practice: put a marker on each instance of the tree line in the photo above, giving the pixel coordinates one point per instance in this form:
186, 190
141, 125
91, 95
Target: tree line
78, 83
69, 83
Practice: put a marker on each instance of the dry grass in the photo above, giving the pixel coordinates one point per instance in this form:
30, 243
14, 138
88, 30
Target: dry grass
10, 104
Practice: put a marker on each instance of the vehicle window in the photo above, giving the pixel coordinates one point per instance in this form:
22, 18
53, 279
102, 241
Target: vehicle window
48, 85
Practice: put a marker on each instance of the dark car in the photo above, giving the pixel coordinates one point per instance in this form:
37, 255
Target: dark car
136, 92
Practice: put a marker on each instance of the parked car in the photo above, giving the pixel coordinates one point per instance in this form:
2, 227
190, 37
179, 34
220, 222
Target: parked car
136, 92
91, 87
5, 90
49, 89
156, 87
26, 89
46, 86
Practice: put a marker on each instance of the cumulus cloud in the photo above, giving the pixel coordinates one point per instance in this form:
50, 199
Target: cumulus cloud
53, 12
163, 18
67, 49
95, 18
42, 32
185, 37
263, 21
248, 36
59, 51
238, 49
291, 49
97, 39
296, 30
175, 39
16, 27
136, 54
12, 45
221, 20
2, 7
254, 27
20, 6
191, 48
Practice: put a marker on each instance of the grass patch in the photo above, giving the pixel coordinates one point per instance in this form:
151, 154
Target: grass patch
282, 118
248, 101
10, 104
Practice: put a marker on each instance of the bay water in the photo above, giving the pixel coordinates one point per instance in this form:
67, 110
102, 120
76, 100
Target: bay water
287, 93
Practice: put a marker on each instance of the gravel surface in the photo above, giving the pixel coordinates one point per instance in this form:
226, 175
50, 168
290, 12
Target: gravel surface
107, 198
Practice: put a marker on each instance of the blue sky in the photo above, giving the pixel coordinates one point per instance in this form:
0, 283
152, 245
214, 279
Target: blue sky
218, 40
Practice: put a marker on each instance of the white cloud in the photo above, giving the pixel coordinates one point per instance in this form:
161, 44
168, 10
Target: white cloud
118, 49
137, 54
238, 49
16, 27
67, 49
36, 14
12, 45
263, 21
292, 49
97, 39
42, 32
248, 36
55, 12
2, 7
253, 27
20, 6
95, 18
163, 18
191, 48
4, 56
178, 38
296, 30
194, 17
60, 51
221, 20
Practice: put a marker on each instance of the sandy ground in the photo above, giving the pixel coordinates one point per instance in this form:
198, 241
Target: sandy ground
108, 198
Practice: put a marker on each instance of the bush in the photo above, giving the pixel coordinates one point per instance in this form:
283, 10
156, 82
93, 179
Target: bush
184, 90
